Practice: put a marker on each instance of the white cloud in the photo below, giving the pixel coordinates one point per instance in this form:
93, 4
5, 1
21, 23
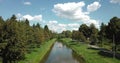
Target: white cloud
93, 7
55, 26
32, 19
74, 11
37, 17
74, 25
74, 28
27, 3
62, 25
53, 22
68, 10
29, 17
115, 1
19, 15
59, 27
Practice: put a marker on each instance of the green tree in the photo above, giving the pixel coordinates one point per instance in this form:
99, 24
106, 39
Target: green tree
14, 39
18, 37
76, 35
47, 32
102, 33
113, 31
67, 34
1, 28
38, 34
85, 30
93, 34
27, 22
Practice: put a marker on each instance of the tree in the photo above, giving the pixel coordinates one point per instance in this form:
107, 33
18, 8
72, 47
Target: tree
27, 22
47, 32
18, 37
85, 30
1, 28
113, 31
2, 33
102, 33
93, 34
76, 35
38, 34
67, 34
14, 49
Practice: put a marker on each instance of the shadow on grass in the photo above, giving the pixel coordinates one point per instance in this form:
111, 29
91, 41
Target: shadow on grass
107, 53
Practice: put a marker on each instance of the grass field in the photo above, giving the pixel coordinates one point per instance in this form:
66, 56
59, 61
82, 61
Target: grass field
36, 57
90, 55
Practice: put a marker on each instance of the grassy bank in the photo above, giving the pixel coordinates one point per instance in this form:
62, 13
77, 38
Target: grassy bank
36, 57
90, 55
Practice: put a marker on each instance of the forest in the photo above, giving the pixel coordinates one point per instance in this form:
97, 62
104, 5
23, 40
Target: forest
18, 38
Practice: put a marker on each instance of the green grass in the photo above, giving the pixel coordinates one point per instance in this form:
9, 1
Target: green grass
36, 57
90, 55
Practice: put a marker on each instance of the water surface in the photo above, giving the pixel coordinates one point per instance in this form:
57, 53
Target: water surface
60, 53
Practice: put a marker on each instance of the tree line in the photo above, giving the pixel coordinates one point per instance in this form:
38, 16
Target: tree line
108, 34
18, 38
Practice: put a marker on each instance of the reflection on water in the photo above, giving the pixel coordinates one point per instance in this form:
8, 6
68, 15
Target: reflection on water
59, 53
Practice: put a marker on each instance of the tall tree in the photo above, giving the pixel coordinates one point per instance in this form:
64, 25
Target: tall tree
14, 39
85, 30
94, 34
38, 34
102, 33
113, 30
27, 22
47, 32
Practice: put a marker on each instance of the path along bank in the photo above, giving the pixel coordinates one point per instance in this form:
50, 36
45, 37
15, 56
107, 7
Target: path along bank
89, 55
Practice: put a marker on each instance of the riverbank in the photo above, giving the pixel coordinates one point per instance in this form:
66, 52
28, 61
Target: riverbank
89, 55
37, 56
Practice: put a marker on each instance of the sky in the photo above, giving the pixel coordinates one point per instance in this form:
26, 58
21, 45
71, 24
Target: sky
61, 15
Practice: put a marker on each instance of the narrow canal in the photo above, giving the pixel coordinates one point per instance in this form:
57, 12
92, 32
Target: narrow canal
60, 53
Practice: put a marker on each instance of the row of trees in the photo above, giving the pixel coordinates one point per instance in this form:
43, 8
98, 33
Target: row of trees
17, 38
109, 33
84, 33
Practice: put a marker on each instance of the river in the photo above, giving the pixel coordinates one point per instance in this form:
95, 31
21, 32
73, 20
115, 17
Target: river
60, 53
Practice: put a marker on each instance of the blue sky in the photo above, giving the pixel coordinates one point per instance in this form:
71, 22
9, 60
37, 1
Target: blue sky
61, 15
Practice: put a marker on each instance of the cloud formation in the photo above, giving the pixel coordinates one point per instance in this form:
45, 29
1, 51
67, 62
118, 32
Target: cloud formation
30, 17
27, 3
59, 27
115, 1
74, 11
93, 7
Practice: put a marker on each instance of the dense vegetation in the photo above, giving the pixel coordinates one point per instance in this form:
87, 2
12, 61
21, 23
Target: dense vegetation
18, 38
108, 36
